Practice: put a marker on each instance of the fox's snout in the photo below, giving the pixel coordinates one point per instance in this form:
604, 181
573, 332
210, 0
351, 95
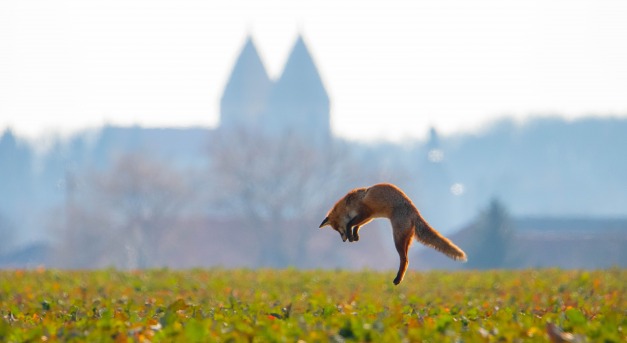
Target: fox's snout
342, 234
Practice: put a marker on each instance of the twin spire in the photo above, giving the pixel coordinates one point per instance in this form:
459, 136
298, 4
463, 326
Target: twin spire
246, 91
295, 103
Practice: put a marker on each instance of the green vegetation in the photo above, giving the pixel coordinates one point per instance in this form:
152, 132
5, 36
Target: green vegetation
292, 305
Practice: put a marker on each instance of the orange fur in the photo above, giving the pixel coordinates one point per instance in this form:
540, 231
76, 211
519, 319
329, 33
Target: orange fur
362, 205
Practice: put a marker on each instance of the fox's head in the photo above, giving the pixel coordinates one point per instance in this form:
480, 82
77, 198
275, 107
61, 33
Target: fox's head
337, 223
342, 212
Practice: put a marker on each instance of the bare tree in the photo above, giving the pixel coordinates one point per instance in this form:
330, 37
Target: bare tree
278, 187
119, 217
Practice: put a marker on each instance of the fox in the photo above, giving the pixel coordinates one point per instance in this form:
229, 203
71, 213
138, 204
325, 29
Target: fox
362, 205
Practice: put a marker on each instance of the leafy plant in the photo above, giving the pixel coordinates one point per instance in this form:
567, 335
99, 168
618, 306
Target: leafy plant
290, 305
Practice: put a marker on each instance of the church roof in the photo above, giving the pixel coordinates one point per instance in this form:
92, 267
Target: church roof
297, 101
300, 80
248, 85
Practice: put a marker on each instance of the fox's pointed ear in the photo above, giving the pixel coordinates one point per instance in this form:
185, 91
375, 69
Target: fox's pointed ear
324, 222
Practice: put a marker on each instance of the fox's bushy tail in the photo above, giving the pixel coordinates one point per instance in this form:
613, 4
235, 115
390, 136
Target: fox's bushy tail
431, 238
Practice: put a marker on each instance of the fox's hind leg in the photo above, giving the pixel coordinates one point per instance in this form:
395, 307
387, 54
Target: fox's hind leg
402, 239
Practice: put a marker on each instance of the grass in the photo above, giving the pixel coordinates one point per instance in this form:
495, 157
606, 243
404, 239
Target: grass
311, 306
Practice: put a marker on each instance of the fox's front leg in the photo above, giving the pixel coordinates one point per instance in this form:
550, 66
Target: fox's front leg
350, 233
353, 225
356, 233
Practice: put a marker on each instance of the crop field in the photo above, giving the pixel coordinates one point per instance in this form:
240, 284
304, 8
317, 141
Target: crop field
311, 306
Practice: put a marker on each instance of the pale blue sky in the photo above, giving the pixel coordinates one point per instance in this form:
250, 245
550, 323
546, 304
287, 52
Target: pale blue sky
392, 68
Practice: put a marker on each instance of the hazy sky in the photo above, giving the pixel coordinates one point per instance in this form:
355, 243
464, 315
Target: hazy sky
392, 68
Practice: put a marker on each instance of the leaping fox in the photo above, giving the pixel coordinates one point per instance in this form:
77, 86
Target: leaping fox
362, 205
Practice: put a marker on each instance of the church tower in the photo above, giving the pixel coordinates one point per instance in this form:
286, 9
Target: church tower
247, 90
298, 103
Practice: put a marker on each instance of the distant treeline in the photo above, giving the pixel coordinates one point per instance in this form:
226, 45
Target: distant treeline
128, 195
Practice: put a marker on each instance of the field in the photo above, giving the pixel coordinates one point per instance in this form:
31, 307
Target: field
310, 306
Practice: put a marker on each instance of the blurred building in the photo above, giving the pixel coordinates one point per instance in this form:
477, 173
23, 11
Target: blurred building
295, 104
541, 242
246, 92
543, 170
